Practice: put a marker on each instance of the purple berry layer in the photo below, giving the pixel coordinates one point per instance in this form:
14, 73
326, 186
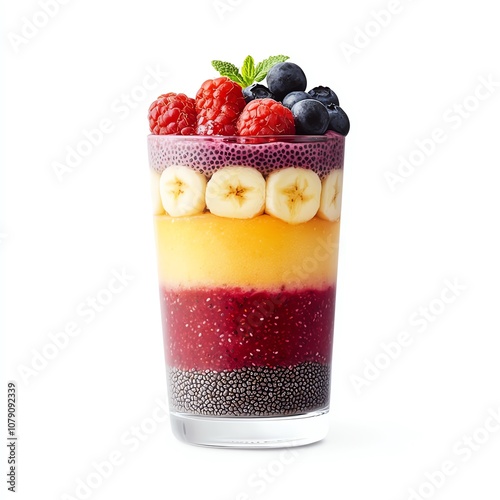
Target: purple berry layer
229, 328
208, 154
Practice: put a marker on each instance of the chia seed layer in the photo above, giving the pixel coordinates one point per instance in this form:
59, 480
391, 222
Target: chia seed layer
208, 154
251, 392
230, 328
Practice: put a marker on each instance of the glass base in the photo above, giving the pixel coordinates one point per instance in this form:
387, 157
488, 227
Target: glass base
256, 432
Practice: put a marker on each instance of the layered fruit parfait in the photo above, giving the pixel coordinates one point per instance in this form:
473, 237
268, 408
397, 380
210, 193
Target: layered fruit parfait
247, 184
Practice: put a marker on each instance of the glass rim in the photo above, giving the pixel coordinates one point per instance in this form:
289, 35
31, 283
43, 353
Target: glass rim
249, 139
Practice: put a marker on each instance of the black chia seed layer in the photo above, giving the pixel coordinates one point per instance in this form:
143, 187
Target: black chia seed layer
250, 392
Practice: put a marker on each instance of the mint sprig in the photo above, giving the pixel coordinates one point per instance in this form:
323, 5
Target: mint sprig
250, 72
263, 67
229, 70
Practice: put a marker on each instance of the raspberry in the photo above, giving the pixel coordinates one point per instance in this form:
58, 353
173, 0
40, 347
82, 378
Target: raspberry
266, 117
219, 102
172, 114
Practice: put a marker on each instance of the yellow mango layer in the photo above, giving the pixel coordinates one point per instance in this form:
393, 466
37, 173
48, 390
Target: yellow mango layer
263, 252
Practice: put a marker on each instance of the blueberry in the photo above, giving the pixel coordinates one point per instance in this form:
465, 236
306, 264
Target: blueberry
325, 95
257, 91
311, 117
284, 78
293, 97
339, 121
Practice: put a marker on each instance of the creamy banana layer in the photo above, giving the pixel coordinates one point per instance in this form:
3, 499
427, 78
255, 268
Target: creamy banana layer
294, 195
262, 252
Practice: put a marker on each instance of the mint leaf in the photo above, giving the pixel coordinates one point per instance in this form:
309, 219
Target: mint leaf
264, 66
229, 70
248, 70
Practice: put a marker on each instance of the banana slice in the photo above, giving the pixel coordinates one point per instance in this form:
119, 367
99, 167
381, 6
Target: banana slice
237, 192
155, 193
293, 194
182, 191
331, 196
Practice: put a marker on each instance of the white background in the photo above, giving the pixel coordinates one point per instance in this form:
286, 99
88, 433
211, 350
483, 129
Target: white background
61, 241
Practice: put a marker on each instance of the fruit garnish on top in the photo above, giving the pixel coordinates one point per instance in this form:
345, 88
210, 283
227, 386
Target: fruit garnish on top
250, 72
236, 103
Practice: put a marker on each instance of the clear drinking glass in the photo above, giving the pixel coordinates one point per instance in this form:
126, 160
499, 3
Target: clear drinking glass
247, 303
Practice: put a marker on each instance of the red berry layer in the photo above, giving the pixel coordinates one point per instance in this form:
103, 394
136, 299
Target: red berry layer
229, 328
